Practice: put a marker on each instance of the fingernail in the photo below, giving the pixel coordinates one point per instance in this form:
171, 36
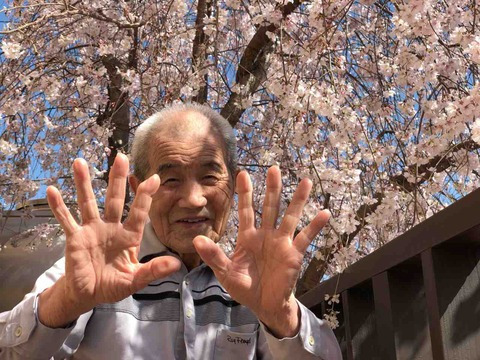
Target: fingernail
152, 179
78, 162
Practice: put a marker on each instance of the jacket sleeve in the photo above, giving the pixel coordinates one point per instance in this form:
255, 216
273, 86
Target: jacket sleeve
315, 340
23, 336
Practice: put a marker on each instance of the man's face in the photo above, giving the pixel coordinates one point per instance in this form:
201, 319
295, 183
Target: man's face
196, 191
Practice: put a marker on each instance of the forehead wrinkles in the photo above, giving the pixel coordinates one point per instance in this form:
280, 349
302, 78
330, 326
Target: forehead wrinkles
178, 151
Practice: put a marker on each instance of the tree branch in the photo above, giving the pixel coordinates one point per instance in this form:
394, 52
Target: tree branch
437, 164
251, 69
199, 51
316, 269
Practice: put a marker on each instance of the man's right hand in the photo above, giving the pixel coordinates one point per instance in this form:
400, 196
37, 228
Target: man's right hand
101, 264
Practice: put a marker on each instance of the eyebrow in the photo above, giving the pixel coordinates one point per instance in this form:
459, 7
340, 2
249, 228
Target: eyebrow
167, 166
214, 165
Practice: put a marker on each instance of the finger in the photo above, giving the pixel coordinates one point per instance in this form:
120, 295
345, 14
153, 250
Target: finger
295, 209
60, 211
156, 268
85, 197
141, 204
272, 198
212, 255
246, 214
117, 180
306, 236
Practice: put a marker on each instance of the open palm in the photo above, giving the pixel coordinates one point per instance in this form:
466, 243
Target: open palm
265, 265
101, 254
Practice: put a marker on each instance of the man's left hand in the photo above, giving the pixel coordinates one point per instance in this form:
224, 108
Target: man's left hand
265, 265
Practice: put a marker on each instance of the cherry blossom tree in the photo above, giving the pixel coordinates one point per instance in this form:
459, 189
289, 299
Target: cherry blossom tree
375, 101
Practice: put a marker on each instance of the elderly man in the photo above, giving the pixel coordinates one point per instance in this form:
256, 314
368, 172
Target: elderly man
163, 288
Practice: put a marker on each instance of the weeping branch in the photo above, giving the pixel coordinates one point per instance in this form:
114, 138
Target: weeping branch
317, 267
251, 70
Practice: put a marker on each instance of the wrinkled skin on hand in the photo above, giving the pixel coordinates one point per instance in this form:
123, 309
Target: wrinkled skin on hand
267, 260
101, 254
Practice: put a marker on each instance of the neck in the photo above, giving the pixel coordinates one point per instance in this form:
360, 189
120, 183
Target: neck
191, 260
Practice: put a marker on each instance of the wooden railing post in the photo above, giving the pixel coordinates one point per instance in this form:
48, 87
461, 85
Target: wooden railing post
383, 316
346, 317
432, 305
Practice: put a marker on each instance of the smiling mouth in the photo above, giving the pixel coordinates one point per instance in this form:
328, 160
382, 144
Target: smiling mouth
193, 221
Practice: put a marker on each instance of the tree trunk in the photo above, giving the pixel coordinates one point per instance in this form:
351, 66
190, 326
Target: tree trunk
116, 114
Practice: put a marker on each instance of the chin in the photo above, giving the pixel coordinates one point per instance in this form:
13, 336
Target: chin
185, 245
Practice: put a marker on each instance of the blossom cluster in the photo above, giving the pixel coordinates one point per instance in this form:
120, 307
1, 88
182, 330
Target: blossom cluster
376, 102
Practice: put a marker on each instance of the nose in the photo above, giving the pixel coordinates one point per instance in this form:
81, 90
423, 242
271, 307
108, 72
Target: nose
192, 195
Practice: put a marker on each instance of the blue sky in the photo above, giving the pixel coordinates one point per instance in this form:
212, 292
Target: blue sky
2, 15
37, 173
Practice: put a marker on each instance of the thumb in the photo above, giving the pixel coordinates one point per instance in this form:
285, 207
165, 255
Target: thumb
212, 255
156, 268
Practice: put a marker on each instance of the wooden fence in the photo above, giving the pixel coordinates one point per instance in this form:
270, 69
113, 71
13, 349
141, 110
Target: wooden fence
417, 297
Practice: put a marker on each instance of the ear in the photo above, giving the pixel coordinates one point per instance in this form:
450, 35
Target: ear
133, 181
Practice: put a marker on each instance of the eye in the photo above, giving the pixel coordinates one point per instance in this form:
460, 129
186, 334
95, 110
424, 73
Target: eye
170, 181
210, 178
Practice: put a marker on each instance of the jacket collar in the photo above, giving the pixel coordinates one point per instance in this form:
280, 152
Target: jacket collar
150, 243
151, 247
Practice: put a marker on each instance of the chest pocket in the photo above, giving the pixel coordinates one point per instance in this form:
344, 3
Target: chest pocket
232, 345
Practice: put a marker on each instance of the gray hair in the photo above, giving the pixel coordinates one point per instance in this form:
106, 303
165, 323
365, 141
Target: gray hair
146, 131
